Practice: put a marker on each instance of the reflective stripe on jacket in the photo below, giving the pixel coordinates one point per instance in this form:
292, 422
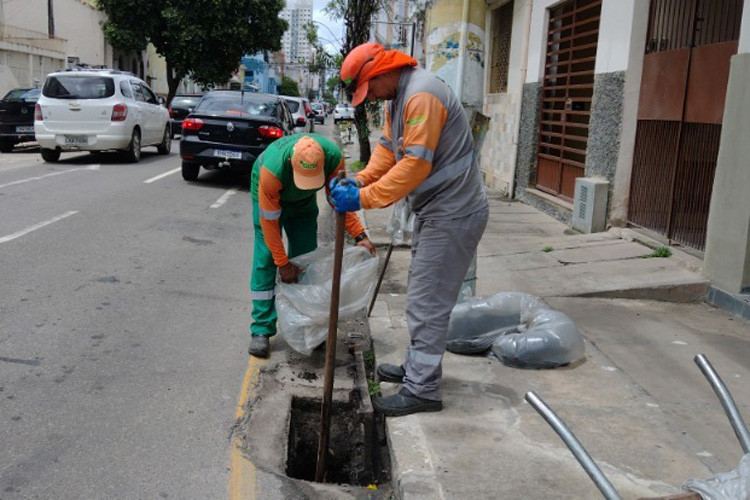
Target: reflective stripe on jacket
426, 152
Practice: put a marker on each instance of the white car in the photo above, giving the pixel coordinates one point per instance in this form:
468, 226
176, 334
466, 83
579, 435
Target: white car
343, 112
304, 116
99, 110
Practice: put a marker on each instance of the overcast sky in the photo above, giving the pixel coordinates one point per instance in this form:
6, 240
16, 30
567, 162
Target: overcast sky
332, 39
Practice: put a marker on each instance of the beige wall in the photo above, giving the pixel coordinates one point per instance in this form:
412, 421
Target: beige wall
498, 159
76, 21
727, 257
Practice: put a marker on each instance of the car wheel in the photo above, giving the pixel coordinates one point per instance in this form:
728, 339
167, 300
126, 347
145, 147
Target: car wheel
166, 143
190, 171
6, 145
50, 155
133, 153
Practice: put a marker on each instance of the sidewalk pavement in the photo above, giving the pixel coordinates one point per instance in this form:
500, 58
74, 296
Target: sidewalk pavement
637, 402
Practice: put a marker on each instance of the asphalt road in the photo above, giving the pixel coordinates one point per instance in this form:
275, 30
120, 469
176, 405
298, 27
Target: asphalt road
124, 312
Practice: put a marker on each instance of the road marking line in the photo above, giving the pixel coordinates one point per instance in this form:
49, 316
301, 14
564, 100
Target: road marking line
242, 471
223, 198
5, 239
161, 176
90, 167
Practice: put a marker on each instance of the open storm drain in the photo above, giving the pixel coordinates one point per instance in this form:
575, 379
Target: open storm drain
356, 456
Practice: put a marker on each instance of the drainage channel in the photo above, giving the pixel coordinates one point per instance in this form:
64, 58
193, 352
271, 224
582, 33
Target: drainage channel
280, 430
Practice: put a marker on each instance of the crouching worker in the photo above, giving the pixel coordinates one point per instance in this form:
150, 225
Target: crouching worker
285, 180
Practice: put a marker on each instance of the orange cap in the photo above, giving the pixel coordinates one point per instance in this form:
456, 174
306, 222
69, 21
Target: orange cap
307, 164
367, 61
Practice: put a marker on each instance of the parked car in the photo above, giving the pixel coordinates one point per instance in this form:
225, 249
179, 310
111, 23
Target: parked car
229, 129
99, 110
302, 113
181, 106
17, 117
320, 112
343, 112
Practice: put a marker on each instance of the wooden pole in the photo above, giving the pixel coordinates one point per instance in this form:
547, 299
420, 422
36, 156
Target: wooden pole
325, 413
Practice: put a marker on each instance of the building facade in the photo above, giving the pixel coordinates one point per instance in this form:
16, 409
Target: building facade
649, 96
35, 41
295, 46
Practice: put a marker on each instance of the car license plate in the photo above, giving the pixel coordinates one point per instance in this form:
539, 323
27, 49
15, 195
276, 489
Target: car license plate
25, 129
76, 139
229, 155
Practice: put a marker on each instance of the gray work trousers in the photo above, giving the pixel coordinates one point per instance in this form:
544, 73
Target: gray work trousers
441, 252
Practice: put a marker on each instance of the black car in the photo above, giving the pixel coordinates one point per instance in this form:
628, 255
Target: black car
181, 106
229, 129
17, 117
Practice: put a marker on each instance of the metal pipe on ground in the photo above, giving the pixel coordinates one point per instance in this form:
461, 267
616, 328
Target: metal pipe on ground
380, 278
730, 408
333, 322
575, 446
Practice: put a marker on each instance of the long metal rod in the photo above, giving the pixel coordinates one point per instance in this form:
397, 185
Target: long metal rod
730, 408
380, 278
333, 322
588, 464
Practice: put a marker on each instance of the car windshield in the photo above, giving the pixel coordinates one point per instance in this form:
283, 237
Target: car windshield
316, 106
293, 105
236, 104
29, 95
79, 87
185, 102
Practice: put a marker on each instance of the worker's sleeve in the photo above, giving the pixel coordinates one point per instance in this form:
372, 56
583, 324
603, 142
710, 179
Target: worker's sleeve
382, 158
353, 225
269, 202
424, 119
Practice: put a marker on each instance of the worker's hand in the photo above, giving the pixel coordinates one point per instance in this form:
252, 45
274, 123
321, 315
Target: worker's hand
346, 180
290, 272
345, 197
365, 242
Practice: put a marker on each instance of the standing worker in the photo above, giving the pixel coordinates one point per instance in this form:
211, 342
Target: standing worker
285, 180
426, 155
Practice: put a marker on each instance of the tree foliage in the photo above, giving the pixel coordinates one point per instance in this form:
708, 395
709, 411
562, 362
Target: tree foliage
202, 39
289, 87
357, 17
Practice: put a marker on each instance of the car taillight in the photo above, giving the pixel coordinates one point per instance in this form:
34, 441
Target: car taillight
119, 112
192, 124
270, 132
171, 113
37, 112
301, 120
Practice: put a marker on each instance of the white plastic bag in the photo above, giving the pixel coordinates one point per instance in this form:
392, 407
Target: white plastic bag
303, 308
401, 223
731, 485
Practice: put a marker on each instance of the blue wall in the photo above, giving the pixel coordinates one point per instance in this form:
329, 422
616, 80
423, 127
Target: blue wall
257, 74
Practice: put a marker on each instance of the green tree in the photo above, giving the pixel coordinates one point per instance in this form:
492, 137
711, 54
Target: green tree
202, 39
357, 16
289, 87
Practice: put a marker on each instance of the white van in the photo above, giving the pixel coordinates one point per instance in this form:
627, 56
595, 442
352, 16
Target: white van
99, 110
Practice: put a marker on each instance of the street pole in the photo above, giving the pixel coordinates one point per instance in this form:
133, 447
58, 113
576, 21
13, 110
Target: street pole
50, 19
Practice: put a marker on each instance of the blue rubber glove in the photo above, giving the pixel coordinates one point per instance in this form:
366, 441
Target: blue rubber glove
345, 197
346, 180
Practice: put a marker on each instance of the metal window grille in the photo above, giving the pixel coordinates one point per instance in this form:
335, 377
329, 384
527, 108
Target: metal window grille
573, 33
502, 28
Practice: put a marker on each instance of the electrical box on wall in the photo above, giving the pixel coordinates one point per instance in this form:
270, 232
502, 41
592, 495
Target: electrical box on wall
590, 205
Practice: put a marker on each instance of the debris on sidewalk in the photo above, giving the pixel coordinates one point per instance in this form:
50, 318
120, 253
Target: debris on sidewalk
520, 329
303, 307
724, 485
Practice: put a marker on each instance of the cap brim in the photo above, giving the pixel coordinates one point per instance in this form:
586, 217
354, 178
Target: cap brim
309, 182
360, 93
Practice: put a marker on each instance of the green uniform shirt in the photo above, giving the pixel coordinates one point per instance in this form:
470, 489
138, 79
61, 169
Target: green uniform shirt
277, 159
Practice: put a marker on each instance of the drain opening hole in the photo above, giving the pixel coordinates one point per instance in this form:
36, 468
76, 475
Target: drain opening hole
345, 462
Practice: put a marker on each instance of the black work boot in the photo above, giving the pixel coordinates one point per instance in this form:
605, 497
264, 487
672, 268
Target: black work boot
259, 346
391, 373
404, 403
